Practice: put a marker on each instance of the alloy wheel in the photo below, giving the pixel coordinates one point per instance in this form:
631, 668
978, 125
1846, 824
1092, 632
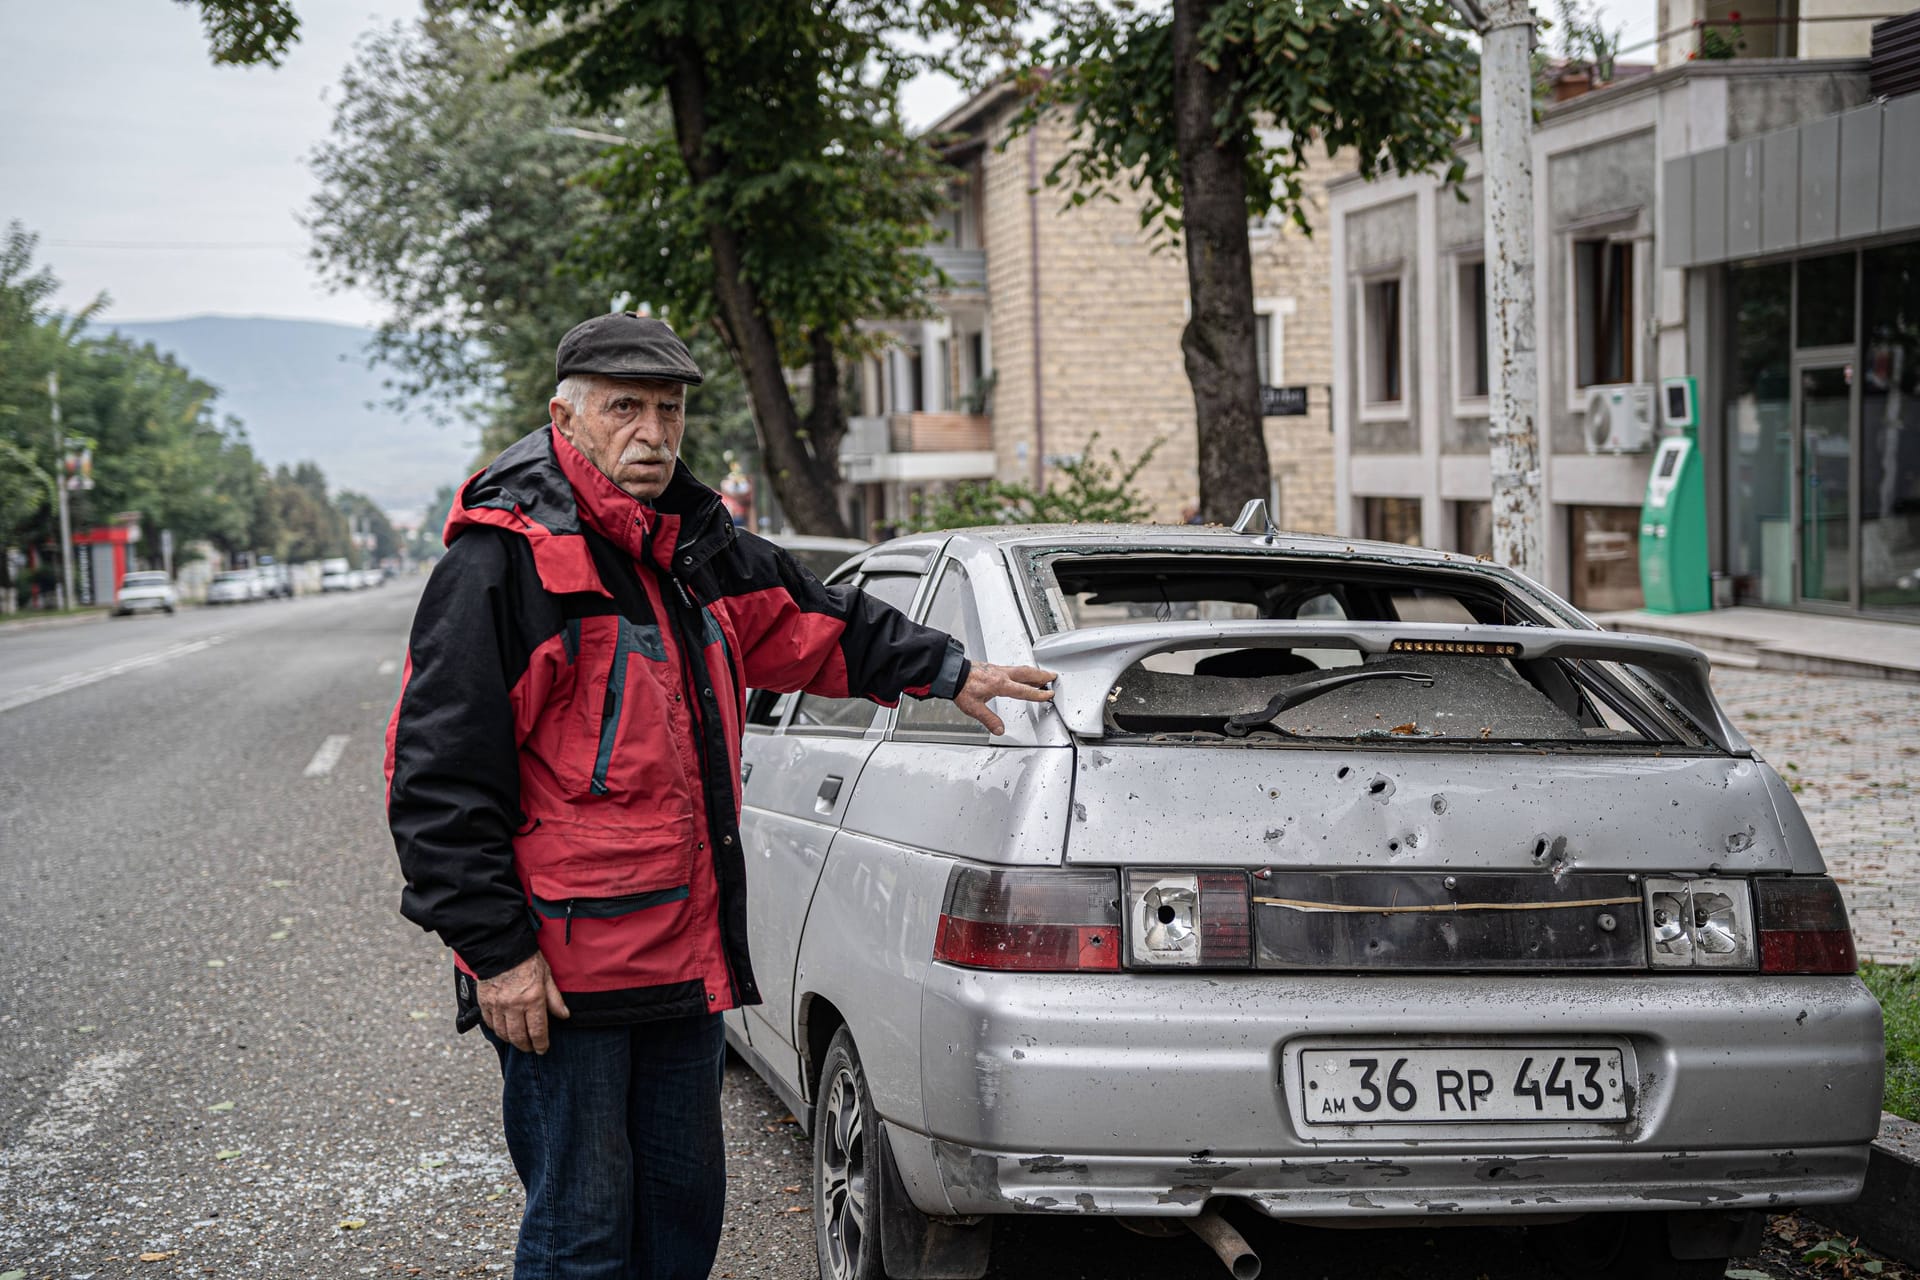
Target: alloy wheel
843, 1176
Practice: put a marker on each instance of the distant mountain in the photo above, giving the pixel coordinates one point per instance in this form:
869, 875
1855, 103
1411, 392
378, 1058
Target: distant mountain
303, 389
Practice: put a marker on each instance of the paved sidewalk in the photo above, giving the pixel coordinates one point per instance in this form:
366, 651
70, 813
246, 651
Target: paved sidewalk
1851, 750
1782, 640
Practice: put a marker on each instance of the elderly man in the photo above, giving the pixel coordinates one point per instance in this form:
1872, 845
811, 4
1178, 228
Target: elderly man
562, 787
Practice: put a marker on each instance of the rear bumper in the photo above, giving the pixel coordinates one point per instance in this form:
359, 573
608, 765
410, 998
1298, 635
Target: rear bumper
1149, 1094
971, 1181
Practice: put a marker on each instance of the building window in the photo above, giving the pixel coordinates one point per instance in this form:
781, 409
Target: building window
1473, 528
1825, 313
1606, 558
1383, 342
1603, 311
1391, 520
1470, 330
1263, 346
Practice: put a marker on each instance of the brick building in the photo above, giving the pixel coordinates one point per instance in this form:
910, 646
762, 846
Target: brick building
1061, 323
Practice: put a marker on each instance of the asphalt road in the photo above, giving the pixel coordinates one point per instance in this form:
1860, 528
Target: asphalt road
223, 1053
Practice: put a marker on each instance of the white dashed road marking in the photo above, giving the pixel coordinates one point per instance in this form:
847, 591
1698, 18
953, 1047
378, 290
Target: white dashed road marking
327, 756
81, 678
70, 1112
388, 667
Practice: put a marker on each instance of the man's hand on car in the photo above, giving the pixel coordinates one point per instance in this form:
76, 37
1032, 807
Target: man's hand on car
986, 681
516, 1004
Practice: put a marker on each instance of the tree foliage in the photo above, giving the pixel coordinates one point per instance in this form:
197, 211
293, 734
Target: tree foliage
1208, 112
158, 447
1391, 83
1089, 490
248, 32
780, 198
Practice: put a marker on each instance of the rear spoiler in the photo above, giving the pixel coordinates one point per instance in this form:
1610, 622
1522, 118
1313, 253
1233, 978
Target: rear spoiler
1090, 661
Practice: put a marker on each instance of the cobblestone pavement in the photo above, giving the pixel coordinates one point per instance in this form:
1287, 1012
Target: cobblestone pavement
1851, 751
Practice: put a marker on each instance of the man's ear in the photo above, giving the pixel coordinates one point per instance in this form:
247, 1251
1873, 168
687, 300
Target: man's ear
561, 412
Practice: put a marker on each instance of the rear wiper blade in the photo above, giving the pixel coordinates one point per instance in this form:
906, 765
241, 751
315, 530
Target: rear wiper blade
1240, 726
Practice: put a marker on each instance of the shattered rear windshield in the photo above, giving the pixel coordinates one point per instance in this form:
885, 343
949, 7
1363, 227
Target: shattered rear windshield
1269, 694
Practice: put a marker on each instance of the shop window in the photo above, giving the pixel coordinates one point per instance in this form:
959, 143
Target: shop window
1606, 558
1470, 330
1759, 434
1391, 520
1603, 311
1825, 311
1473, 528
1383, 354
1890, 431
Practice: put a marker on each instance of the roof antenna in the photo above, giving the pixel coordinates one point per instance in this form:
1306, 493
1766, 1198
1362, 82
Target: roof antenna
1255, 513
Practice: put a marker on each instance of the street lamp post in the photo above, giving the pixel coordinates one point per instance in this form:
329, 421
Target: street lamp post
60, 492
1506, 148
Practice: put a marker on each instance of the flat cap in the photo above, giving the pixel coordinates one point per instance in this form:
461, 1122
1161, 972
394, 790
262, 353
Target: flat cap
626, 344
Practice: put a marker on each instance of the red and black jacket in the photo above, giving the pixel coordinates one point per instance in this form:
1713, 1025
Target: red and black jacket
562, 764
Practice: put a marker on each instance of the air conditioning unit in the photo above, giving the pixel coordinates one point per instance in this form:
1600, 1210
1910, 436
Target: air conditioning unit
1620, 418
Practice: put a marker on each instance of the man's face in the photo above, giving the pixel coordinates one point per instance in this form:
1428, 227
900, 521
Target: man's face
628, 428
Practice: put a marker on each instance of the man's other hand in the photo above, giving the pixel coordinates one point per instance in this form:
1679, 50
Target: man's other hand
986, 681
516, 1004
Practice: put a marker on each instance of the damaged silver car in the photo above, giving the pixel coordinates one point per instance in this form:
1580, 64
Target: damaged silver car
1353, 884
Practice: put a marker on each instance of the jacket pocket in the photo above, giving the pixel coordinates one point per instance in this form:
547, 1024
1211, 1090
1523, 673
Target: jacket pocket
631, 638
567, 909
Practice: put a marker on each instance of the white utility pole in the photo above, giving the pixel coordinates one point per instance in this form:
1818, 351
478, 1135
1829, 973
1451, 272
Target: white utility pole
60, 490
1506, 149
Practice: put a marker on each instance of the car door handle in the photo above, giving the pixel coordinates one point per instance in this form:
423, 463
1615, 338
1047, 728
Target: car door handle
828, 795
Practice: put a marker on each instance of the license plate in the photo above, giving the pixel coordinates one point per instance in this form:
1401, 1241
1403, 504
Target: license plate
1348, 1085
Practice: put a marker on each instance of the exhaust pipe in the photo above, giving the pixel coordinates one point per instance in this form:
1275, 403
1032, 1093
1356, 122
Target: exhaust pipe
1229, 1244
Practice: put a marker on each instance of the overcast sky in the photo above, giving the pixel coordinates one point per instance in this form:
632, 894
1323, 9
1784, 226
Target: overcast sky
175, 185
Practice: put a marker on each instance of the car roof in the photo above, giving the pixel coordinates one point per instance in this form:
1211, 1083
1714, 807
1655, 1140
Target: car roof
1195, 537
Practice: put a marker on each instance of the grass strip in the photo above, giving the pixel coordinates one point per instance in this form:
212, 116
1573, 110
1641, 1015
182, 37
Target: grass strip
1897, 987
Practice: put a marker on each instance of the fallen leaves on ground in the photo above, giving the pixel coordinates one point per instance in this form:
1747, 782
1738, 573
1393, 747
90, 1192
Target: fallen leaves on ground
155, 1255
221, 1106
352, 1224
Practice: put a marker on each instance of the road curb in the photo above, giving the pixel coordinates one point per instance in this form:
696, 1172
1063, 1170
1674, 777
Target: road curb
1886, 1217
15, 623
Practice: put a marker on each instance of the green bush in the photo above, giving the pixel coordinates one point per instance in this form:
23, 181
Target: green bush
1897, 987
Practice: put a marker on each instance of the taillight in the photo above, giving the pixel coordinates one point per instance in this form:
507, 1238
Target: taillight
1189, 919
1052, 920
1699, 923
1803, 926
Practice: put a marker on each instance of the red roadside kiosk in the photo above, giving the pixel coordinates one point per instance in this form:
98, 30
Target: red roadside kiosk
101, 558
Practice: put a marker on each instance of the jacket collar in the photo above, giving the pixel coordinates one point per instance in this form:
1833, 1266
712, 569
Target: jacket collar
546, 490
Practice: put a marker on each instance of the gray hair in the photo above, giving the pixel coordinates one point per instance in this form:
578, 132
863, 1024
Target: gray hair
575, 388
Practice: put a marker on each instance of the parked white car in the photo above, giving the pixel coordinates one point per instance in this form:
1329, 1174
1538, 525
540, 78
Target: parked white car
235, 586
145, 591
339, 580
1347, 883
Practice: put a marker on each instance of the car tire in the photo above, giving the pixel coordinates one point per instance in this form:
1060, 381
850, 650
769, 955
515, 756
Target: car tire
1602, 1246
846, 1185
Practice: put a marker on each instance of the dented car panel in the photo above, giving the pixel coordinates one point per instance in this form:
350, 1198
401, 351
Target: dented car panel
1338, 808
1570, 920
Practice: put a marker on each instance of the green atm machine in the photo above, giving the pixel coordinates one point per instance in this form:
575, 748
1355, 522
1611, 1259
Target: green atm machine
1673, 520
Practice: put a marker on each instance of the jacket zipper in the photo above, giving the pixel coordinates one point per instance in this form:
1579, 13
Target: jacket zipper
603, 908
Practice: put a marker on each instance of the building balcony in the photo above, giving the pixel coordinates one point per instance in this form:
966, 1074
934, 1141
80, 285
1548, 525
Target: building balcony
917, 447
939, 432
966, 268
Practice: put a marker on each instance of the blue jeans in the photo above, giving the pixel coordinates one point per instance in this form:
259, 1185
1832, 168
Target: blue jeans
615, 1133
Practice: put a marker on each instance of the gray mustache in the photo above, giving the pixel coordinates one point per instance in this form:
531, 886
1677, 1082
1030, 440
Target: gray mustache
647, 455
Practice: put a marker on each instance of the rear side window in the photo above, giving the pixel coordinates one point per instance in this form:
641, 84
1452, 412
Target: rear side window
951, 612
817, 712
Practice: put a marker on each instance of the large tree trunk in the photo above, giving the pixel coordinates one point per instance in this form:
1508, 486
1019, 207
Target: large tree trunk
1219, 337
803, 479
